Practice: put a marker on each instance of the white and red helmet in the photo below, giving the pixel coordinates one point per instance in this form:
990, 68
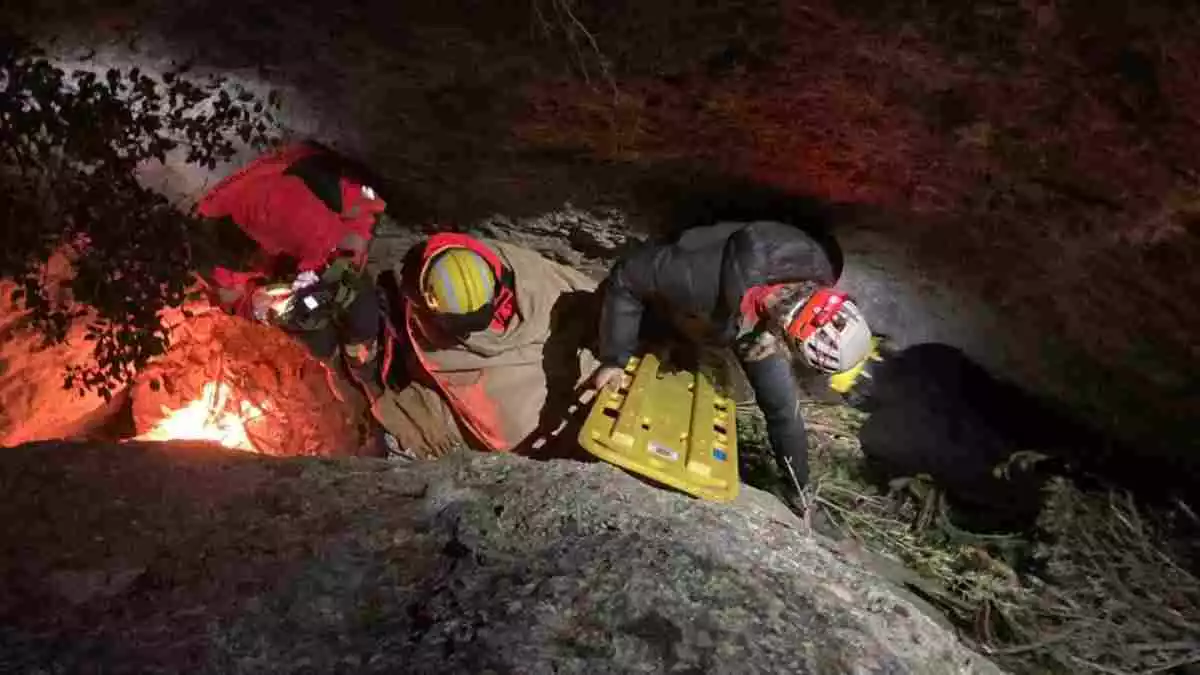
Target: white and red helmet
828, 329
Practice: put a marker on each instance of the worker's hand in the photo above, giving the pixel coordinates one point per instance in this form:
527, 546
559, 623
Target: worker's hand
270, 305
608, 376
260, 305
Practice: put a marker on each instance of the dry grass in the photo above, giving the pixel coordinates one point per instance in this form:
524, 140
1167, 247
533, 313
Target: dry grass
1101, 590
1114, 597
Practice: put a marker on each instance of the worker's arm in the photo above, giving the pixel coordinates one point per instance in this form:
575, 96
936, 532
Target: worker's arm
620, 316
769, 370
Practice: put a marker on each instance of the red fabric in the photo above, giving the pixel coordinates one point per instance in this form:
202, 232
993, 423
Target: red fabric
754, 302
470, 402
284, 217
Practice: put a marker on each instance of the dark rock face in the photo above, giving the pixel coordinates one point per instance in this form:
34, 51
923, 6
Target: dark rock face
144, 558
586, 240
1073, 286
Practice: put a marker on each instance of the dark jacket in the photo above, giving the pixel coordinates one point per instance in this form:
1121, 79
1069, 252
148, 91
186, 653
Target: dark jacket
704, 273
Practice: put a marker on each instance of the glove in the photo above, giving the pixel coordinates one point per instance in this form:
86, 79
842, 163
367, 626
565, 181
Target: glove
608, 376
260, 305
757, 345
270, 304
304, 280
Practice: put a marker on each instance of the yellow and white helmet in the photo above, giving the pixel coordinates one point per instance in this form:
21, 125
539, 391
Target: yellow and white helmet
458, 281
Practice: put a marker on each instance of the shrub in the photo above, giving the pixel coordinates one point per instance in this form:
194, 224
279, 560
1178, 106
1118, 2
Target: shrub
70, 148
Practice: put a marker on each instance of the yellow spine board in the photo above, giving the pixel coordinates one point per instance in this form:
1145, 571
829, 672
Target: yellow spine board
671, 427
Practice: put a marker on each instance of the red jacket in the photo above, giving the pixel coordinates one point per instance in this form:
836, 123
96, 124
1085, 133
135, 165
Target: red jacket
281, 214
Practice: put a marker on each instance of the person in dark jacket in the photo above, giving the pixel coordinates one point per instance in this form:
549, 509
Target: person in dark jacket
763, 288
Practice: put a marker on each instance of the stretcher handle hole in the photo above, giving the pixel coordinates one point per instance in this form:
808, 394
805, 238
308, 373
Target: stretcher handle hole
719, 428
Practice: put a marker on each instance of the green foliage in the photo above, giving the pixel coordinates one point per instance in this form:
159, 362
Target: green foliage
70, 145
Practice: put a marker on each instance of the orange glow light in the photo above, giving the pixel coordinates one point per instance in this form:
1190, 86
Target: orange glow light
212, 417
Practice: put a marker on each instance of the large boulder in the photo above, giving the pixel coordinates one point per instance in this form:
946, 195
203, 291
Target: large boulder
152, 558
34, 404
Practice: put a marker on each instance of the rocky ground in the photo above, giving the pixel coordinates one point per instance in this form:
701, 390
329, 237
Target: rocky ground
162, 558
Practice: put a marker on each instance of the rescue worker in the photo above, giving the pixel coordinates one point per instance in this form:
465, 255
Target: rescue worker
493, 337
762, 288
284, 241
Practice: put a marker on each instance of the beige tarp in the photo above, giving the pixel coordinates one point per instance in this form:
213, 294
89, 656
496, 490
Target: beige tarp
539, 358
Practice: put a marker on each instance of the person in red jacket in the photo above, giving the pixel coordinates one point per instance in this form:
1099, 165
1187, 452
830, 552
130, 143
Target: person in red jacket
284, 241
